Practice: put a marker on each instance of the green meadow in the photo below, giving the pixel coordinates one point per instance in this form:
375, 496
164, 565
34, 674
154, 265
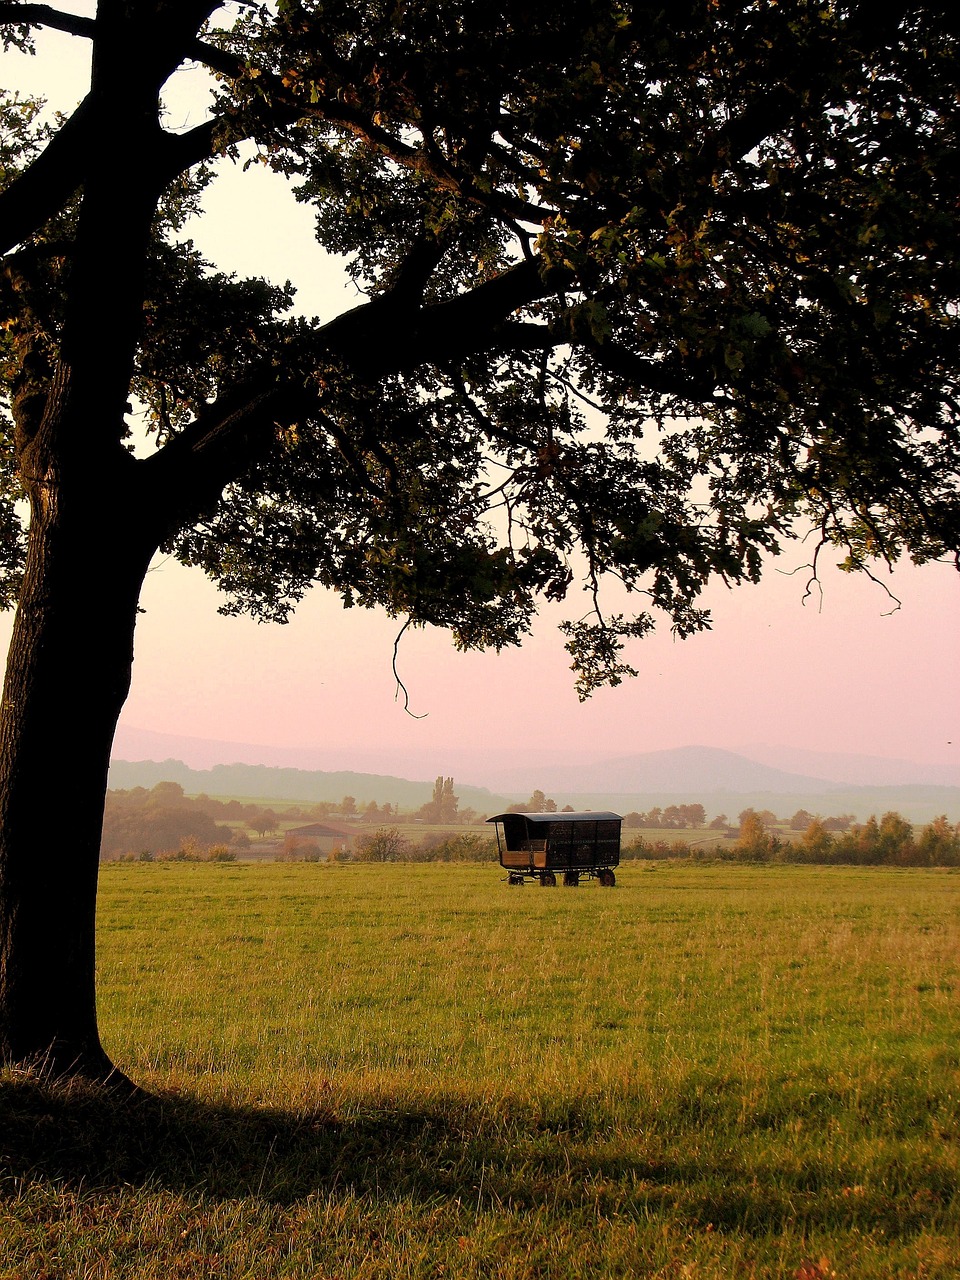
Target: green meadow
416, 1071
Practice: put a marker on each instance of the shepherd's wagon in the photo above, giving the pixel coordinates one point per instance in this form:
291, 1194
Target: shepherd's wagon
542, 846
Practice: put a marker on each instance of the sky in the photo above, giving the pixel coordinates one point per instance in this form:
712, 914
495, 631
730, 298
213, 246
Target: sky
838, 672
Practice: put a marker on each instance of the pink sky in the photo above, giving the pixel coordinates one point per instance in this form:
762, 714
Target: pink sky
841, 677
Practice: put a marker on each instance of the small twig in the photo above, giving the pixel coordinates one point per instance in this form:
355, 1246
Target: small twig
897, 603
401, 687
814, 579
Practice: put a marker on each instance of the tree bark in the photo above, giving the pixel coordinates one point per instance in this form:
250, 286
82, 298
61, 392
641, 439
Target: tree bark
68, 674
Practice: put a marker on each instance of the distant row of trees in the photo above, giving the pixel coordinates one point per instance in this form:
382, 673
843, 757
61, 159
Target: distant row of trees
161, 819
158, 820
799, 821
675, 817
891, 841
680, 817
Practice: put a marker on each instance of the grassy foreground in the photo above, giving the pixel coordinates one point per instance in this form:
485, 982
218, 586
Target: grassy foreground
373, 1071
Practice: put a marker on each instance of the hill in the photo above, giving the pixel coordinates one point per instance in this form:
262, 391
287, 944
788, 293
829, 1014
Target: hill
681, 770
720, 780
263, 782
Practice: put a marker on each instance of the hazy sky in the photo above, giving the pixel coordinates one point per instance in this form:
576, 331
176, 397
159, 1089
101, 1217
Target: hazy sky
835, 674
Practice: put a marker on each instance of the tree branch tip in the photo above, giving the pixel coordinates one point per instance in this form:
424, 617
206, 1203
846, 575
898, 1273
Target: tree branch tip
401, 687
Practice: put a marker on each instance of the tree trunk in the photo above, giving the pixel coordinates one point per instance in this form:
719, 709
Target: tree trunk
68, 674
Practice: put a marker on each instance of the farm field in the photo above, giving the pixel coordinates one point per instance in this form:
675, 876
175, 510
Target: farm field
415, 1071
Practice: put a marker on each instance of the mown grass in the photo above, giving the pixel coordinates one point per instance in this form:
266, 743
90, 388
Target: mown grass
372, 1071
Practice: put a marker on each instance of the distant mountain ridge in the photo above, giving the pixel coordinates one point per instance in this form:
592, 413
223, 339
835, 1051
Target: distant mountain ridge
508, 767
855, 770
722, 781
705, 769
267, 782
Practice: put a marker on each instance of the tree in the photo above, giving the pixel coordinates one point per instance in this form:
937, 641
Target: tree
645, 293
539, 802
442, 807
816, 844
756, 843
766, 817
896, 839
842, 822
694, 815
155, 821
263, 820
939, 844
386, 844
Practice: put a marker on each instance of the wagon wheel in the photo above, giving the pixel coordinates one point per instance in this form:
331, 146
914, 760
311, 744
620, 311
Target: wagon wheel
607, 878
547, 879
513, 878
571, 879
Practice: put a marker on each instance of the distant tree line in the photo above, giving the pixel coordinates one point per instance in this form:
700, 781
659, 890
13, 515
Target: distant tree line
443, 807
675, 817
891, 841
163, 820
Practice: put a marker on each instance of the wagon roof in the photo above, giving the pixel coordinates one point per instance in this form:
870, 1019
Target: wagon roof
590, 815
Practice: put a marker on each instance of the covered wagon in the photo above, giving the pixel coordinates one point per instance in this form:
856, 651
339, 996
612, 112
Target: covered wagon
542, 846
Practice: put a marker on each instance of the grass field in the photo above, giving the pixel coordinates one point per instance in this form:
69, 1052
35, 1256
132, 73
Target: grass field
373, 1071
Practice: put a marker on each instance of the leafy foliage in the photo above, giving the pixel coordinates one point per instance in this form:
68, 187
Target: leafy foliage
645, 294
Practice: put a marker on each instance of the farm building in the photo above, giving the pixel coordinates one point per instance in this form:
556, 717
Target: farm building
327, 839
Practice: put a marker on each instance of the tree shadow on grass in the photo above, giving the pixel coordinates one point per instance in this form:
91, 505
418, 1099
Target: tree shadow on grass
80, 1137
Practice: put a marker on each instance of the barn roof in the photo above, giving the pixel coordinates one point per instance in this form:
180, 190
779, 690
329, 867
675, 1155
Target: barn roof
317, 830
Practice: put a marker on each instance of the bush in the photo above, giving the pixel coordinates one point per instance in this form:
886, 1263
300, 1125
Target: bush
654, 850
298, 849
386, 844
467, 846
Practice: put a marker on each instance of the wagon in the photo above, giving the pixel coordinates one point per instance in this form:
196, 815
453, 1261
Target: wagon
541, 846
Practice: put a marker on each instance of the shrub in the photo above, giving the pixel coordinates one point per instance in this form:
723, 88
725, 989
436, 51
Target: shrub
653, 850
386, 844
466, 846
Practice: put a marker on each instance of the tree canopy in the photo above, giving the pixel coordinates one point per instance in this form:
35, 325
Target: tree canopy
646, 294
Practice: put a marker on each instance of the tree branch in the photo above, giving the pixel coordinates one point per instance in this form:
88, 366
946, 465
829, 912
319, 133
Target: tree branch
380, 337
384, 336
280, 106
188, 474
42, 15
49, 181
